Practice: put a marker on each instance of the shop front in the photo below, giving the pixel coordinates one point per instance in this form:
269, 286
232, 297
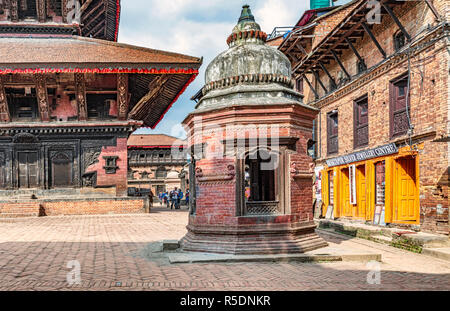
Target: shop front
378, 186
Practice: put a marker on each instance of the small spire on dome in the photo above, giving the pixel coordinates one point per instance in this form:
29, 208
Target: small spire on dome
246, 14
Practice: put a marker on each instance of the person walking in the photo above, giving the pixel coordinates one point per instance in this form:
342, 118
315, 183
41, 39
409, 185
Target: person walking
187, 198
166, 199
173, 197
179, 197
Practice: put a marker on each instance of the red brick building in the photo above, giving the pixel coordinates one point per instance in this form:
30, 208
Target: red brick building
381, 81
153, 165
70, 96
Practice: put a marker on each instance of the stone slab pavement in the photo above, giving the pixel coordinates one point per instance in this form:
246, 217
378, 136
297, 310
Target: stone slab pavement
35, 252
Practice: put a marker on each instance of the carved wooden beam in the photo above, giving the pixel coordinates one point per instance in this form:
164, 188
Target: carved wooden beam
310, 86
374, 39
350, 44
42, 96
333, 83
23, 5
80, 94
14, 10
4, 109
336, 58
320, 81
41, 11
122, 96
85, 5
64, 10
396, 20
156, 87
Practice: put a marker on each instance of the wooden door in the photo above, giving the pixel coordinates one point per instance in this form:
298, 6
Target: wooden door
345, 191
361, 186
406, 188
28, 170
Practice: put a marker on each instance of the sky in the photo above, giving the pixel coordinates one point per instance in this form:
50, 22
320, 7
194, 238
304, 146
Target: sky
197, 28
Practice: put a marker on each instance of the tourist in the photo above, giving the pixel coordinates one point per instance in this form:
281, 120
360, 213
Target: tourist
179, 197
187, 197
166, 199
173, 197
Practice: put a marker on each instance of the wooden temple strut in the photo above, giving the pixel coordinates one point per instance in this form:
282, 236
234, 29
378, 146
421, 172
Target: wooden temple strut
320, 81
333, 83
397, 21
310, 86
374, 39
355, 51
336, 58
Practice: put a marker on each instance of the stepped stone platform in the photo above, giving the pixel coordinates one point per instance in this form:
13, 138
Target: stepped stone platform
171, 251
435, 245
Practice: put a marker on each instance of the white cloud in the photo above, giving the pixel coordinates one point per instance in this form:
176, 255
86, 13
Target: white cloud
198, 28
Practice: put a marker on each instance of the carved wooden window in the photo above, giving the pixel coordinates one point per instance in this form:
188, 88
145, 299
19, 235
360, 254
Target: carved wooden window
22, 103
161, 172
27, 9
100, 106
259, 179
399, 123
260, 183
399, 40
111, 164
361, 122
62, 170
332, 132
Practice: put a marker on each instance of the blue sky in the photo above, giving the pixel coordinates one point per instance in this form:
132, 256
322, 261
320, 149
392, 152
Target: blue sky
197, 28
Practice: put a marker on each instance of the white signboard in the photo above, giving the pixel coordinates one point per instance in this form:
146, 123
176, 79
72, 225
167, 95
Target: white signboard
352, 183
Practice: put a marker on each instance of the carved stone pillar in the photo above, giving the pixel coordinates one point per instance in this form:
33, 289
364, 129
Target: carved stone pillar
122, 95
80, 91
42, 96
4, 110
41, 11
14, 5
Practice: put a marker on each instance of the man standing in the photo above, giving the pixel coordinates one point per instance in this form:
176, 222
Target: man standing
179, 197
173, 198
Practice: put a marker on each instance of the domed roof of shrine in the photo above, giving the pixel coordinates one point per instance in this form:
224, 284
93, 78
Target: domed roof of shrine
248, 66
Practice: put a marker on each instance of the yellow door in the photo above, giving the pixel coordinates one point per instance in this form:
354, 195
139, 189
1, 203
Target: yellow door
360, 210
407, 207
345, 199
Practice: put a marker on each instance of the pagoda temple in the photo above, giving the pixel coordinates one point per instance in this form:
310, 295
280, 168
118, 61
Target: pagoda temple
70, 96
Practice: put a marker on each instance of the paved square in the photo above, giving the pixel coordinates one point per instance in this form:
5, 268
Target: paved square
34, 253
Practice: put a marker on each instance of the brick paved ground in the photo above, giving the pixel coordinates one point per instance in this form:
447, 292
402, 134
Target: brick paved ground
34, 254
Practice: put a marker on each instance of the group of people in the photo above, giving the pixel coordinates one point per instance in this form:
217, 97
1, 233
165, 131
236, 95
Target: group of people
173, 198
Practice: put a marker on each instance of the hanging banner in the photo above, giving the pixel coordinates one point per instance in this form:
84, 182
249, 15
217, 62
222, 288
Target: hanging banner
352, 183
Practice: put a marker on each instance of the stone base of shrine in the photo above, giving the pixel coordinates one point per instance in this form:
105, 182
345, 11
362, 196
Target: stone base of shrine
252, 239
